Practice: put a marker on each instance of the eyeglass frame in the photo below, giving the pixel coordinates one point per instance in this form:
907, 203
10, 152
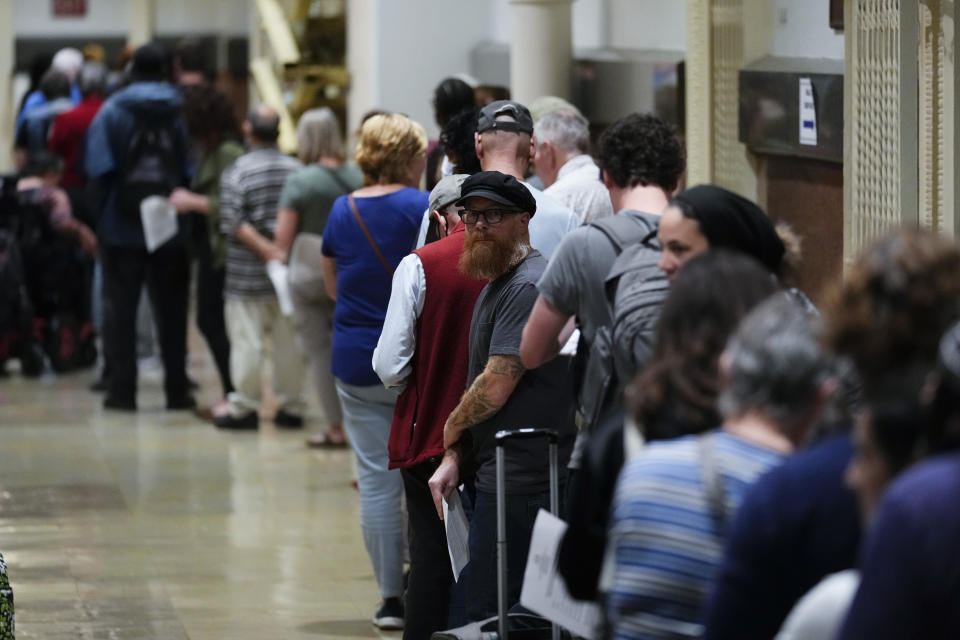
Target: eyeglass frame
475, 214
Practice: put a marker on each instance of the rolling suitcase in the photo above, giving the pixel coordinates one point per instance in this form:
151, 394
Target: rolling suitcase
519, 626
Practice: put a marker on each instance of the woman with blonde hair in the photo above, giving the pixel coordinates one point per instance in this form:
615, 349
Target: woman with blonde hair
305, 203
369, 231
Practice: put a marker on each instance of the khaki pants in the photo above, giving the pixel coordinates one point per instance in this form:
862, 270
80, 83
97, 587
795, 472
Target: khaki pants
248, 323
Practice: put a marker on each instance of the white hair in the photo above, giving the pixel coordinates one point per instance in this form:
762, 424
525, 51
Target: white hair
318, 134
68, 61
565, 129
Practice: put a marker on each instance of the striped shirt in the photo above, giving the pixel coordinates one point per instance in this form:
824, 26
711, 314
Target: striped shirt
250, 192
664, 542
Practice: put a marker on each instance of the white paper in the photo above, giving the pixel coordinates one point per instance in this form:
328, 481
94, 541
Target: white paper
159, 220
455, 522
808, 114
570, 348
277, 272
544, 592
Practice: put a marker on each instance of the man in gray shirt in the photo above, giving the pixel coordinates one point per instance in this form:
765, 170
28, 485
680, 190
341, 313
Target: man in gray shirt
249, 201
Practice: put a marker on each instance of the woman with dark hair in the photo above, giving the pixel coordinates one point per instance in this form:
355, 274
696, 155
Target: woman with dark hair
673, 500
215, 134
451, 97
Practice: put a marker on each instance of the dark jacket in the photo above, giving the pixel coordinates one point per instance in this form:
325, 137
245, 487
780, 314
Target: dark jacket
106, 148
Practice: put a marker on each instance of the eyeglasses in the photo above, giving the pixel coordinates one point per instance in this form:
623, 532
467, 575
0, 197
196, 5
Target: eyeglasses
490, 216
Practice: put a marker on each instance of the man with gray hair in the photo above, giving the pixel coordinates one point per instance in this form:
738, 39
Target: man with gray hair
674, 501
561, 141
249, 200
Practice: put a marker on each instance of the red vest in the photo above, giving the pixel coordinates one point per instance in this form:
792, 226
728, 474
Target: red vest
439, 375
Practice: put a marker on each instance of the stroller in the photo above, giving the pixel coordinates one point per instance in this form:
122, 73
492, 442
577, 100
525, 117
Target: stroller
44, 285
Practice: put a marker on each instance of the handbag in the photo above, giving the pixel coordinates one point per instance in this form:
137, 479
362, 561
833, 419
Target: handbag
369, 237
306, 274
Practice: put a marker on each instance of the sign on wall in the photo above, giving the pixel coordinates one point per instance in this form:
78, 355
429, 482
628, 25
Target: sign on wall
68, 8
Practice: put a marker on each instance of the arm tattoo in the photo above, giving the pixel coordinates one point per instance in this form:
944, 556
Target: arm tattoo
476, 404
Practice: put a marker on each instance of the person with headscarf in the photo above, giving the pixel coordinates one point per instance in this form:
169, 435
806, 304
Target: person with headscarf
710, 217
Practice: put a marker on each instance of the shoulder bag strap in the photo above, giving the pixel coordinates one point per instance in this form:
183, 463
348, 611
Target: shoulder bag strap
337, 179
713, 483
366, 233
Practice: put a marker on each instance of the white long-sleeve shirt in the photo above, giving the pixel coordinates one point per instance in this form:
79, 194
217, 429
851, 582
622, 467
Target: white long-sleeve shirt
398, 340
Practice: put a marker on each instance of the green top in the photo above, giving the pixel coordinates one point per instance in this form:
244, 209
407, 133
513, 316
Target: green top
206, 182
311, 192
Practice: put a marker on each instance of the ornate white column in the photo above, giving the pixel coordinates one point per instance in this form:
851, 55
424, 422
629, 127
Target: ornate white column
141, 21
6, 85
541, 49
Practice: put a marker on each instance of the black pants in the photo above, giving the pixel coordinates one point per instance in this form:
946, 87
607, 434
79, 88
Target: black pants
210, 318
167, 275
428, 589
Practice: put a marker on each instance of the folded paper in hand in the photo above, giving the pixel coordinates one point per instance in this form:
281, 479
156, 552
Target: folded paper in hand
159, 220
455, 522
277, 272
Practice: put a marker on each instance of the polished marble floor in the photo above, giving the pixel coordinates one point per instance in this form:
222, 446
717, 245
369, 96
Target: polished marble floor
156, 525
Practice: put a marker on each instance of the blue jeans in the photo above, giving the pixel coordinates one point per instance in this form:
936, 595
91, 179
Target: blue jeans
367, 414
521, 511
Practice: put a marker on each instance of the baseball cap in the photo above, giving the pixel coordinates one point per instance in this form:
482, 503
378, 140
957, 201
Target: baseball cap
499, 187
446, 191
520, 114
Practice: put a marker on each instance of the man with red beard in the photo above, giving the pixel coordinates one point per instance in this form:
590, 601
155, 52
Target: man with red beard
501, 393
422, 353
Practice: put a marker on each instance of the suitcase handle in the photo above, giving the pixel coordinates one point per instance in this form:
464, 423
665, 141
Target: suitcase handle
501, 438
525, 434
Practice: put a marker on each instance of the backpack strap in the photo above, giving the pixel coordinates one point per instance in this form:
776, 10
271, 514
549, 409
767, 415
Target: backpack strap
369, 237
621, 229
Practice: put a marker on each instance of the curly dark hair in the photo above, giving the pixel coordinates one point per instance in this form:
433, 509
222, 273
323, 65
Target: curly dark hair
641, 149
457, 141
901, 295
451, 96
896, 302
209, 116
676, 394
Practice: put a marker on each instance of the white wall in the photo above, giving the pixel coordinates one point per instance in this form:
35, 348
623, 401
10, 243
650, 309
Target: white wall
648, 24
411, 53
801, 29
33, 18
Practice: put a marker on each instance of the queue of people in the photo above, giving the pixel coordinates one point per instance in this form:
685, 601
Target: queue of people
715, 430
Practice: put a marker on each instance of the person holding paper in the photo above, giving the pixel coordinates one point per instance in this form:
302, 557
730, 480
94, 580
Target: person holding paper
422, 353
501, 392
136, 148
249, 201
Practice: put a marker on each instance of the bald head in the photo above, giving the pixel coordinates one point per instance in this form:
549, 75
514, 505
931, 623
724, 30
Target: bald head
264, 123
497, 148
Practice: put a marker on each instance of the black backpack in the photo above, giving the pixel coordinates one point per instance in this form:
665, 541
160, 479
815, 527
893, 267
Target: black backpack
150, 166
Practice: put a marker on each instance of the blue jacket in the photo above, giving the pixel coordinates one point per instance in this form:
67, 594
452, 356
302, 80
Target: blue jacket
106, 147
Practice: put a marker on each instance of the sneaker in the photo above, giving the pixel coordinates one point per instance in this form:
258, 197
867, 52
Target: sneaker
250, 422
287, 420
390, 615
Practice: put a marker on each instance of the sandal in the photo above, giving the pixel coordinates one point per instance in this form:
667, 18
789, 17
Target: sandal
326, 440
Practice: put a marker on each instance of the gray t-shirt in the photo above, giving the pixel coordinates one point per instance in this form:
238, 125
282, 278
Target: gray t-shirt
543, 397
575, 280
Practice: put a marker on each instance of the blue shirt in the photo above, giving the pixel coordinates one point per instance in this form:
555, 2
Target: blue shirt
363, 284
36, 99
796, 525
910, 566
663, 538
